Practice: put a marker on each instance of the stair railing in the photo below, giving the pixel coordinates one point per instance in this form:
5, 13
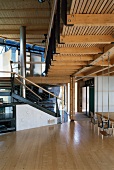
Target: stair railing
13, 78
14, 73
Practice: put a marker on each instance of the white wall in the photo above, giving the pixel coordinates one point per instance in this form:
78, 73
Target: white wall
5, 63
29, 117
102, 92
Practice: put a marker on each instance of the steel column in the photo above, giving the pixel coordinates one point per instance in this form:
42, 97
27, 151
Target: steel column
23, 57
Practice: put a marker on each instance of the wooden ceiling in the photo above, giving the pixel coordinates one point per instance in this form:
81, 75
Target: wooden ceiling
84, 47
87, 44
30, 13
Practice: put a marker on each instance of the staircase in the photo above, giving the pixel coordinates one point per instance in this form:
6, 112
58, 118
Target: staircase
12, 92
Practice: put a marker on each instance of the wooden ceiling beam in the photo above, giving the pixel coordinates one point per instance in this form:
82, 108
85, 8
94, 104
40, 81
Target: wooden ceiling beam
38, 9
95, 70
56, 75
111, 70
57, 67
91, 19
60, 72
108, 50
72, 58
52, 77
96, 39
50, 80
100, 63
78, 50
40, 39
30, 32
112, 61
17, 26
31, 16
70, 63
23, 21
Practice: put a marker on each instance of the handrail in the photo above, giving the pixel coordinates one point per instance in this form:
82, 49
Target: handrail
31, 83
28, 88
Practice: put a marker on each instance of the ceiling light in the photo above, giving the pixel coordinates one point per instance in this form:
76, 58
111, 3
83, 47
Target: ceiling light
41, 1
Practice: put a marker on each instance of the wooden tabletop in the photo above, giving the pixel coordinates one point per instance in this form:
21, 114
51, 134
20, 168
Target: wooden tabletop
105, 115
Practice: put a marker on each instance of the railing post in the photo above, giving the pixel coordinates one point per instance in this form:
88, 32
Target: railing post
12, 80
57, 109
12, 86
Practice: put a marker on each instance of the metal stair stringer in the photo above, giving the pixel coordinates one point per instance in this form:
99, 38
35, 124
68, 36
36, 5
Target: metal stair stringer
26, 101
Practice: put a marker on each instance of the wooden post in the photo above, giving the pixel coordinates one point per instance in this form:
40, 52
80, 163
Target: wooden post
62, 97
66, 96
72, 98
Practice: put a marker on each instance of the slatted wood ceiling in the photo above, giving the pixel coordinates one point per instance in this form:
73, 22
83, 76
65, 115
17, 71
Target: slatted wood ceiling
74, 57
85, 7
30, 13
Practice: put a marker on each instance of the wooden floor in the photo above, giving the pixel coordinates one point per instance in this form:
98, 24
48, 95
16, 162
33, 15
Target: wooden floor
67, 146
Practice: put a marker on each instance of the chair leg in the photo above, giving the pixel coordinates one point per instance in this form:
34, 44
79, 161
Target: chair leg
98, 130
112, 128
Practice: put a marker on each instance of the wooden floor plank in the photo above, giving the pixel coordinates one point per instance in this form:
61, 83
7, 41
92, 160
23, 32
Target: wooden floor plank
68, 146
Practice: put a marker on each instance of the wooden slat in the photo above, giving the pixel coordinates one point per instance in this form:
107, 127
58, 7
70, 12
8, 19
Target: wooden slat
83, 6
76, 6
98, 6
106, 6
110, 5
102, 6
86, 7
90, 7
72, 7
94, 6
93, 30
80, 6
91, 19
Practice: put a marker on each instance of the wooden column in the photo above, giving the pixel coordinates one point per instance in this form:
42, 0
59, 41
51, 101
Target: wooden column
80, 84
72, 98
78, 97
66, 97
62, 97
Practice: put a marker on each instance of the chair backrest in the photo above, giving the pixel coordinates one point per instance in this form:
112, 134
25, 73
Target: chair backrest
91, 113
99, 119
